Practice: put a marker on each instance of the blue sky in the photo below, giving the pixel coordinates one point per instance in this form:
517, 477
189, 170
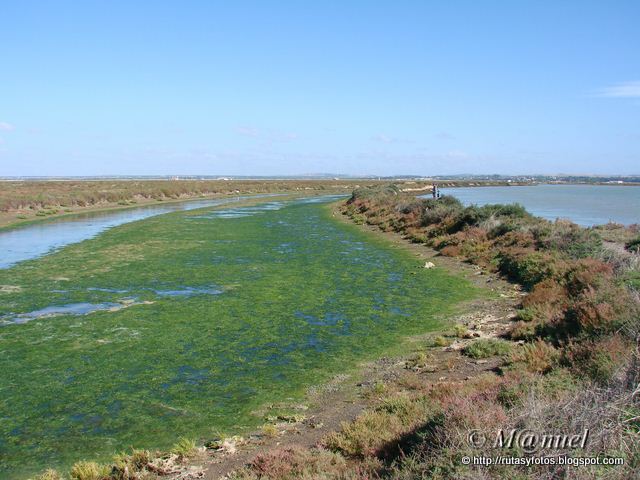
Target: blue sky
294, 87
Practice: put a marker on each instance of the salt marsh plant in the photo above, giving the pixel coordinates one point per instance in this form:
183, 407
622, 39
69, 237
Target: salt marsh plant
487, 347
89, 471
185, 447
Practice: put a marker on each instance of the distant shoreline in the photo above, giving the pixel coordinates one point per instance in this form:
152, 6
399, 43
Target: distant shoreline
26, 202
52, 197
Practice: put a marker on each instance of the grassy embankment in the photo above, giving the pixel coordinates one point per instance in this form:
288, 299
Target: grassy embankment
212, 318
570, 362
22, 202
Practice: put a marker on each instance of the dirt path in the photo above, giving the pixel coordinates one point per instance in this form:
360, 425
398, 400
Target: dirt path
342, 399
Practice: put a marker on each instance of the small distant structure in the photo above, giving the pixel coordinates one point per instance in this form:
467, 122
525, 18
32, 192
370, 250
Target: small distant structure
417, 189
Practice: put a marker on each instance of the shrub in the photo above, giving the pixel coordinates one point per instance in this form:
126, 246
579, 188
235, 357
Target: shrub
512, 210
633, 245
411, 215
407, 410
523, 330
527, 314
587, 274
528, 267
487, 347
471, 243
445, 200
438, 214
365, 435
569, 238
468, 217
546, 303
537, 357
376, 191
473, 215
475, 247
512, 238
598, 359
451, 251
631, 279
601, 310
415, 235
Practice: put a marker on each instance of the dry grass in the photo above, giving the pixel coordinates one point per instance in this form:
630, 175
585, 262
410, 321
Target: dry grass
49, 474
90, 471
185, 448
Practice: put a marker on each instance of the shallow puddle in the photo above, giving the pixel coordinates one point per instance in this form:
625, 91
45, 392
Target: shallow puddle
188, 291
55, 310
241, 212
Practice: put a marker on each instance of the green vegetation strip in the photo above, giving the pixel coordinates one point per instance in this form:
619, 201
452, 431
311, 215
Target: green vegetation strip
216, 317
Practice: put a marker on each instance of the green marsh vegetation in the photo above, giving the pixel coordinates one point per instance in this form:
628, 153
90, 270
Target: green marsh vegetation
205, 316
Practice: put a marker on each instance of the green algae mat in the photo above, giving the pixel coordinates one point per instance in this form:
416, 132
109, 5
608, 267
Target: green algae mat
185, 323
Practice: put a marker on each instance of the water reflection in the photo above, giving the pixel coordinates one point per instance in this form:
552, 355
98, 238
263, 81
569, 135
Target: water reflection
33, 241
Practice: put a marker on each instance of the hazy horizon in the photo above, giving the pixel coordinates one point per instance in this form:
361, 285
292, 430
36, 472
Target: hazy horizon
358, 88
320, 176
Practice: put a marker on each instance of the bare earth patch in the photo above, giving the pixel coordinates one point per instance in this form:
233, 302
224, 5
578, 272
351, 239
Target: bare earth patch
10, 288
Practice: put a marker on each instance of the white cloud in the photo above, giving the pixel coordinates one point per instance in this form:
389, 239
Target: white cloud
381, 137
6, 127
248, 131
621, 90
289, 136
266, 136
444, 136
384, 138
456, 154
